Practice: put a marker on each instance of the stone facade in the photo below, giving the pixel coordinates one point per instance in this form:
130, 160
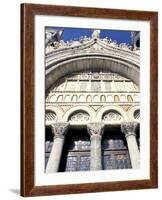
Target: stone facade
92, 83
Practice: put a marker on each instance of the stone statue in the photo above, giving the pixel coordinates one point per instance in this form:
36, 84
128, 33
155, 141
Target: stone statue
96, 33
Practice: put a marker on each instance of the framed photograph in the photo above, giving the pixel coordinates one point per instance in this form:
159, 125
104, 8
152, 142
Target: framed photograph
88, 99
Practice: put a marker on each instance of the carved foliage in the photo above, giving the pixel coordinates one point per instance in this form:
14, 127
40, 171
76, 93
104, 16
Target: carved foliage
112, 116
79, 117
59, 129
129, 128
95, 129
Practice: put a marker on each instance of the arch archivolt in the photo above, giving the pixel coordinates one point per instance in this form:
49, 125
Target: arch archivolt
94, 116
115, 110
96, 62
75, 109
100, 98
55, 71
132, 111
55, 109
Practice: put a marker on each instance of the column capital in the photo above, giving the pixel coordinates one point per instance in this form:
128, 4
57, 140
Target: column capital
129, 128
95, 129
59, 129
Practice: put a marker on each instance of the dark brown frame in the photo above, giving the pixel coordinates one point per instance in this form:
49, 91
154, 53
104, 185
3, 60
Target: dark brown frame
28, 11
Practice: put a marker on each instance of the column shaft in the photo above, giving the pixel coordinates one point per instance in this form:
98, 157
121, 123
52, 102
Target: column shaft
96, 153
95, 130
129, 129
55, 156
59, 130
133, 151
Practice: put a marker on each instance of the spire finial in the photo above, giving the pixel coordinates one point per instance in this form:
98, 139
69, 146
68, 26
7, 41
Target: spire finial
96, 33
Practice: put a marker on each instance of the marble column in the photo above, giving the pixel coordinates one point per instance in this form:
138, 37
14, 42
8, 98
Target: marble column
129, 129
59, 131
95, 131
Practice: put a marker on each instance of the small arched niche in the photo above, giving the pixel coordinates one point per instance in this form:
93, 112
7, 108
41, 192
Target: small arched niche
79, 116
112, 116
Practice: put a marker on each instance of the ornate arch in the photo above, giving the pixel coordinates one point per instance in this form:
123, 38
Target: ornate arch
56, 110
74, 109
79, 116
55, 71
114, 109
112, 116
131, 112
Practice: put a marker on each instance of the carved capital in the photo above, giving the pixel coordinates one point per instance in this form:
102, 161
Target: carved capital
59, 130
129, 128
95, 129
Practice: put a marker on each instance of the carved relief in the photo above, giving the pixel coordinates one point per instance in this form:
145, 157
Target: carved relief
96, 107
60, 98
129, 98
125, 107
59, 129
86, 76
96, 33
89, 98
112, 116
79, 117
95, 129
52, 98
116, 98
129, 128
74, 98
103, 98
51, 116
65, 107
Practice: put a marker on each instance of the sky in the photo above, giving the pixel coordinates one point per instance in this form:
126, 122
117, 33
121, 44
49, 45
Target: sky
121, 36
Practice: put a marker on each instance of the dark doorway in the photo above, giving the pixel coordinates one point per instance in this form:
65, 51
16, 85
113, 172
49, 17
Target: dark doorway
76, 151
115, 153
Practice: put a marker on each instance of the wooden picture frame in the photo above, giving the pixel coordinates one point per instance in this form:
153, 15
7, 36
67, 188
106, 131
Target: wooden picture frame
28, 12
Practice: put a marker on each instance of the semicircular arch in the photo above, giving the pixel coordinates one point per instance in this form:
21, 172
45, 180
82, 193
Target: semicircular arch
117, 109
58, 111
131, 112
74, 109
93, 63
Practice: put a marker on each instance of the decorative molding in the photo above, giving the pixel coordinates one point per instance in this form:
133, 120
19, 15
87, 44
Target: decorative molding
59, 130
85, 42
95, 129
125, 107
129, 128
79, 117
51, 116
96, 33
95, 108
96, 76
65, 107
112, 116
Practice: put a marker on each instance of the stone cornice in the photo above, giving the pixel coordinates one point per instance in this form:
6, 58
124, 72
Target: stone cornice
94, 47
